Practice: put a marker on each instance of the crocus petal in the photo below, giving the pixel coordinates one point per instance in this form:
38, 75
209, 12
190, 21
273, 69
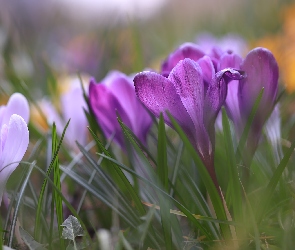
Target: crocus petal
262, 72
73, 106
52, 115
17, 104
14, 147
208, 70
2, 112
105, 107
217, 92
229, 60
159, 95
188, 82
232, 100
273, 132
186, 50
3, 136
122, 88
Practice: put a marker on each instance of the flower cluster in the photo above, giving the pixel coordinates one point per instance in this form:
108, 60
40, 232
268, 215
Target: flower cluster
194, 85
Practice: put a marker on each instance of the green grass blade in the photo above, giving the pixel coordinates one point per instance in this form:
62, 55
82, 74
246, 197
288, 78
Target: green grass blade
43, 188
56, 198
182, 208
144, 229
121, 179
21, 193
66, 202
246, 131
123, 243
107, 186
211, 189
143, 156
103, 198
162, 167
162, 170
192, 192
269, 190
176, 167
162, 159
234, 183
253, 222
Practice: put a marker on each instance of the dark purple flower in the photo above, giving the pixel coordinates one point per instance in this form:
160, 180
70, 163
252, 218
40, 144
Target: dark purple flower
221, 57
193, 94
262, 72
115, 95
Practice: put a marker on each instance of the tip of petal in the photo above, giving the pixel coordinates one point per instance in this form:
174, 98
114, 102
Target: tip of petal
17, 104
92, 81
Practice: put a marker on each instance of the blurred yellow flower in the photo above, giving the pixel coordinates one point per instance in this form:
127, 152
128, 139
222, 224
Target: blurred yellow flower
282, 46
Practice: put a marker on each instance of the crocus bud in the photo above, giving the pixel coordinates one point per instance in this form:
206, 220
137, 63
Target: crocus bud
262, 71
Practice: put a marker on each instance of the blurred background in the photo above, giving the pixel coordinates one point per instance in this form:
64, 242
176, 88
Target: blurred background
42, 38
42, 43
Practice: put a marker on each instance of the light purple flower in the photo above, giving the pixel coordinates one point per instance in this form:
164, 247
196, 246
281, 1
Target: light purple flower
272, 130
193, 94
214, 46
115, 95
72, 105
14, 137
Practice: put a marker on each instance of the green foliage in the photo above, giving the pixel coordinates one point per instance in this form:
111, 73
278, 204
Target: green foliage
57, 200
53, 164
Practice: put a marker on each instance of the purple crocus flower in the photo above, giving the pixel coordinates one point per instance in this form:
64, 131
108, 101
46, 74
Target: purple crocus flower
14, 137
261, 70
115, 95
193, 94
186, 50
208, 45
224, 53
